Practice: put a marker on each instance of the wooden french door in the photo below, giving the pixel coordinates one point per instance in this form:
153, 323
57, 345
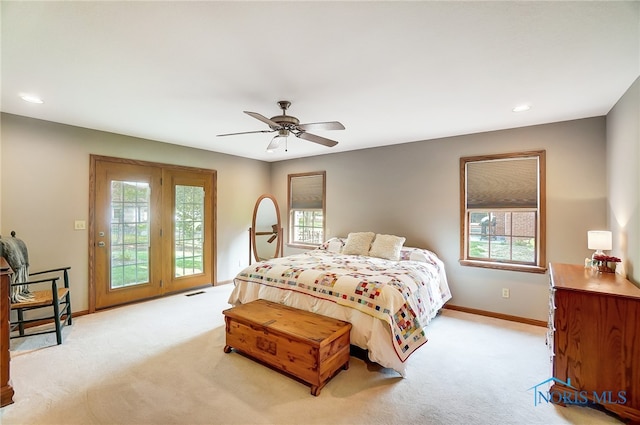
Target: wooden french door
152, 230
189, 243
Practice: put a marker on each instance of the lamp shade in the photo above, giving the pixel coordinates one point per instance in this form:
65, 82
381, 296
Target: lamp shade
599, 239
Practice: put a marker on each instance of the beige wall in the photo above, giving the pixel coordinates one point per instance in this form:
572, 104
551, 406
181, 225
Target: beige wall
623, 176
45, 187
412, 190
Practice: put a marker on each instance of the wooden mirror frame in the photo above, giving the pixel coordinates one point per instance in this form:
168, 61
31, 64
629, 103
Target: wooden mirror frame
277, 230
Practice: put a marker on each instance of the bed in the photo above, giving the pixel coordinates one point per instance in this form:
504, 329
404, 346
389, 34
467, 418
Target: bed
388, 292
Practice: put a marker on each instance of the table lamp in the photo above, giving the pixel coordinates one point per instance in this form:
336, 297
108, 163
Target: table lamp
598, 240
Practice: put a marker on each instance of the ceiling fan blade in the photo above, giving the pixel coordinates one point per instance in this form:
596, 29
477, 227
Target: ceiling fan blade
317, 139
264, 119
329, 125
246, 132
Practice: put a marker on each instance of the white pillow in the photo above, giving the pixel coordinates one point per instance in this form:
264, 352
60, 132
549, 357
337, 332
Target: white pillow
333, 245
419, 255
387, 247
358, 243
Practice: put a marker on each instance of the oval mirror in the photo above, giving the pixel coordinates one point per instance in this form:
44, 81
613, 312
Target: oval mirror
266, 229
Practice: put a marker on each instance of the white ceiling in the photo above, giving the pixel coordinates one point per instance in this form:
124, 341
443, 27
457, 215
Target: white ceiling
391, 72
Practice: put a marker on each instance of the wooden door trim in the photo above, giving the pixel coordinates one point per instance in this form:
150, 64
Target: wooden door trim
93, 159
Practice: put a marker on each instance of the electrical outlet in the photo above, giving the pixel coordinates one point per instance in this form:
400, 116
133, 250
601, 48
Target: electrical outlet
505, 292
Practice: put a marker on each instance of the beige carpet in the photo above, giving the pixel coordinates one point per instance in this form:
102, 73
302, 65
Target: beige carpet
162, 362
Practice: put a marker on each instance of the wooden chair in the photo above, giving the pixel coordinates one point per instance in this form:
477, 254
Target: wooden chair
44, 295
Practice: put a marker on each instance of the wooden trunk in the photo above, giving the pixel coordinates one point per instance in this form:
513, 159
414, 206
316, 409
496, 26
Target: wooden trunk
308, 346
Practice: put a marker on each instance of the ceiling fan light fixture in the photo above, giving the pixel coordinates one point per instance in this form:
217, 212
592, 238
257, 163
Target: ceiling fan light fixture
277, 139
286, 124
273, 145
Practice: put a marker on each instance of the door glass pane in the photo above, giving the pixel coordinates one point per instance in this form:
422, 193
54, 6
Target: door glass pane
189, 230
129, 233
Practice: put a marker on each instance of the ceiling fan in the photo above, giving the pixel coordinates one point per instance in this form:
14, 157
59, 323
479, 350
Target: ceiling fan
287, 124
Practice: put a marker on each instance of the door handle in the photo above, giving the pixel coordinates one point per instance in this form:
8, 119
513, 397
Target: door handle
101, 244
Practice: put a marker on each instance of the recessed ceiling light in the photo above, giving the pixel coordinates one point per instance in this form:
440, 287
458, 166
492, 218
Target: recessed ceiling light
521, 108
31, 98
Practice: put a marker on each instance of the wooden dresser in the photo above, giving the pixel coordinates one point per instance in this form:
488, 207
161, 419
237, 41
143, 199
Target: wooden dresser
6, 391
594, 338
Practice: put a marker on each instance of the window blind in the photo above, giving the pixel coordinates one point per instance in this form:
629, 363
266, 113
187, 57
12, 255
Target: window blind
306, 192
510, 183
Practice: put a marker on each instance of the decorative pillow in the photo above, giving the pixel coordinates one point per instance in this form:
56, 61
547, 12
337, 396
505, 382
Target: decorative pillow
417, 254
387, 247
333, 245
358, 243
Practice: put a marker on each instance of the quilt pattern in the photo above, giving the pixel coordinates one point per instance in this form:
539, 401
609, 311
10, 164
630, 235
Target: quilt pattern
405, 294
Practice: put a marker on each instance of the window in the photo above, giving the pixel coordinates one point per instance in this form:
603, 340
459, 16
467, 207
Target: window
189, 230
306, 209
129, 233
502, 211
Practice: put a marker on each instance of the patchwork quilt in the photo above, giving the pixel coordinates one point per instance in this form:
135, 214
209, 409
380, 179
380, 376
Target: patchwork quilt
405, 294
